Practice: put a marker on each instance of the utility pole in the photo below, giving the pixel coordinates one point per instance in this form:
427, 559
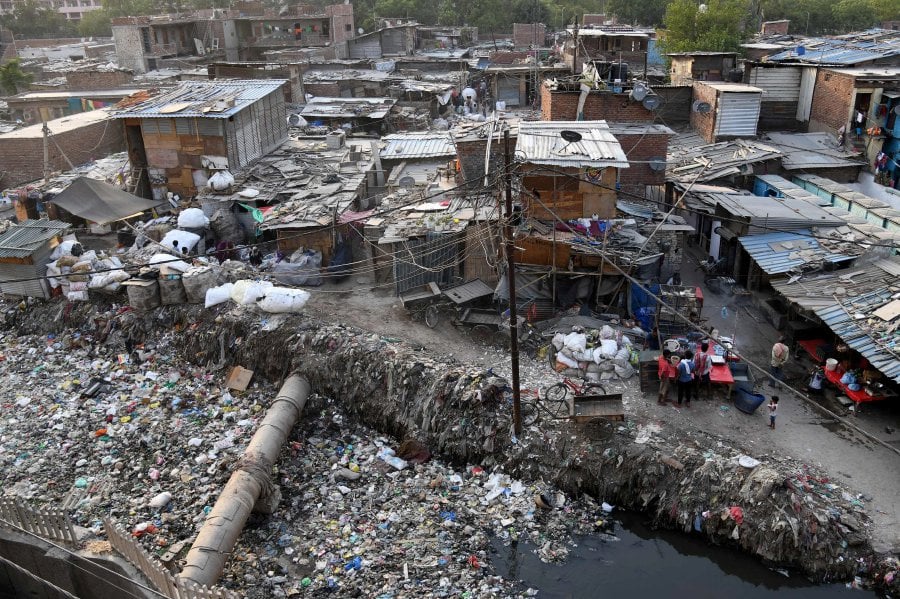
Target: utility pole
511, 281
46, 131
575, 49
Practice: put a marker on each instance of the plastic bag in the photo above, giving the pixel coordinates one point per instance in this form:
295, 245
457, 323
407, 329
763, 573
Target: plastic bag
218, 295
281, 300
303, 269
247, 292
184, 239
848, 378
170, 261
577, 342
192, 218
221, 180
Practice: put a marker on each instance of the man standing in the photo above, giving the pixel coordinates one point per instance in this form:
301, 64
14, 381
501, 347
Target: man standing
779, 356
702, 368
685, 379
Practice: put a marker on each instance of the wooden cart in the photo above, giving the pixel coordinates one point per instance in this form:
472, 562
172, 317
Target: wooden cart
585, 408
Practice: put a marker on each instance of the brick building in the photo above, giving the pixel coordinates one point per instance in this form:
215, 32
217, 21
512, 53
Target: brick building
561, 104
688, 67
77, 139
610, 44
775, 27
645, 145
291, 73
725, 110
526, 35
96, 79
841, 94
32, 107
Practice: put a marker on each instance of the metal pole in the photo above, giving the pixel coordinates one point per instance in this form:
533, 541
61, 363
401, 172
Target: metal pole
46, 131
206, 559
511, 278
575, 49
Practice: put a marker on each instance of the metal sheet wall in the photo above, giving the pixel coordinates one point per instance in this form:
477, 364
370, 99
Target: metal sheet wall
778, 84
431, 260
804, 99
508, 90
738, 114
367, 48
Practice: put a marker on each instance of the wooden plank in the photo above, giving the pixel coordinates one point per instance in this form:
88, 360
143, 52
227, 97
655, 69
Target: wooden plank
889, 311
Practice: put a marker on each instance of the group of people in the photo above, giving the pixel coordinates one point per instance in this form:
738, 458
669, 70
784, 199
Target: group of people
689, 373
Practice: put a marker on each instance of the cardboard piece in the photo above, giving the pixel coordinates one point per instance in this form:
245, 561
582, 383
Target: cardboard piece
239, 378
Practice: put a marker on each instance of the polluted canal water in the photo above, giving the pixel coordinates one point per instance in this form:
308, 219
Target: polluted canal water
635, 560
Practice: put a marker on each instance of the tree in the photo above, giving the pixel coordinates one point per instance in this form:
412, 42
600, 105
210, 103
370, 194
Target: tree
30, 19
95, 23
130, 8
644, 12
853, 15
12, 77
718, 26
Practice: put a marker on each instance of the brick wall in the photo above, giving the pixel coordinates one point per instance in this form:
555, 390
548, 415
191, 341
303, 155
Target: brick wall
22, 158
528, 34
640, 149
704, 124
129, 48
293, 89
471, 159
93, 80
831, 101
323, 90
341, 16
563, 106
774, 28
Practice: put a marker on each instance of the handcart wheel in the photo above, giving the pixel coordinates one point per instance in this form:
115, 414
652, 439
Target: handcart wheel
432, 316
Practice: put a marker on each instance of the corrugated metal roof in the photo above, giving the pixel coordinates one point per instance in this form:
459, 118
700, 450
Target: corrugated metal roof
208, 99
777, 253
21, 240
406, 146
853, 322
810, 150
792, 190
778, 213
852, 48
540, 142
819, 291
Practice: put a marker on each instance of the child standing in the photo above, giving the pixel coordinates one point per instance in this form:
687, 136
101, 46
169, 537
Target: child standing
685, 380
773, 410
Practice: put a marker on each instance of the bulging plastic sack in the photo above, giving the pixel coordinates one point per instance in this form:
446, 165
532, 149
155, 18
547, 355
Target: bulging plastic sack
170, 261
218, 295
281, 300
221, 180
184, 239
193, 218
246, 292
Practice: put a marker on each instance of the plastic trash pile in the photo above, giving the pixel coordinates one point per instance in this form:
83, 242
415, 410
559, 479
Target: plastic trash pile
362, 514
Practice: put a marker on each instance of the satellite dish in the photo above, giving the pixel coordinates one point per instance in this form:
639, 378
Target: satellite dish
701, 107
407, 182
657, 164
361, 30
639, 92
570, 136
651, 102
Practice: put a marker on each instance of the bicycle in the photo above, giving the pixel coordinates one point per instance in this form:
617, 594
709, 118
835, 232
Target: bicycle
559, 393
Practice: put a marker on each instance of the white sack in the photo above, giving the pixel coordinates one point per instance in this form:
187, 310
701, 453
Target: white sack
218, 295
192, 218
280, 300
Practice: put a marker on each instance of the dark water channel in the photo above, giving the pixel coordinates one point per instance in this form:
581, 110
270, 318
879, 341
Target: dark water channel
658, 565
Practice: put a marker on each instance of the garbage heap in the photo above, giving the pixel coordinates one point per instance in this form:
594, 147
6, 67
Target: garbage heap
777, 509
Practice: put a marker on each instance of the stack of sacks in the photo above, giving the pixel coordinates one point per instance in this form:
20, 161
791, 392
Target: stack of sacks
607, 351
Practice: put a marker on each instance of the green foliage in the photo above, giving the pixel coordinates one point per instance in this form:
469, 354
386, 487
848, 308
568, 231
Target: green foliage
639, 12
718, 28
824, 17
12, 77
131, 8
94, 24
30, 19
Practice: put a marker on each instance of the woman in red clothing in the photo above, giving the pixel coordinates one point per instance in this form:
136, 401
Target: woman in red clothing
666, 372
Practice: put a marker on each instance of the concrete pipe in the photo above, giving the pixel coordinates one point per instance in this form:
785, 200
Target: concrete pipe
206, 558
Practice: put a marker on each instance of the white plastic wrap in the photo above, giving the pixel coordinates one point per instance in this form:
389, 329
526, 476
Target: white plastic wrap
218, 295
608, 348
193, 218
221, 180
246, 292
562, 359
184, 239
281, 300
577, 342
170, 261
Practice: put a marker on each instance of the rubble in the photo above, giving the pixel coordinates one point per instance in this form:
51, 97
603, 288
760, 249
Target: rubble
354, 515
